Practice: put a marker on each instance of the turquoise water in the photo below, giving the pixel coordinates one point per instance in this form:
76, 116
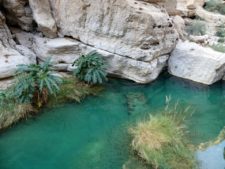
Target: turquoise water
93, 134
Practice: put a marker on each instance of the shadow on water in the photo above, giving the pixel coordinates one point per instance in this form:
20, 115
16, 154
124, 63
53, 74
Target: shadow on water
94, 134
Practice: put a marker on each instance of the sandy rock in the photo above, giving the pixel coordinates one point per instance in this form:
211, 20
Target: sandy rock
194, 62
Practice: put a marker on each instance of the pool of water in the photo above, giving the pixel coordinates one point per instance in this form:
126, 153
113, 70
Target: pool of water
93, 134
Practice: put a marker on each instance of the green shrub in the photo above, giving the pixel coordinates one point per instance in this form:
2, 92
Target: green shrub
221, 40
35, 83
219, 47
220, 31
215, 6
196, 28
10, 110
91, 68
162, 142
72, 89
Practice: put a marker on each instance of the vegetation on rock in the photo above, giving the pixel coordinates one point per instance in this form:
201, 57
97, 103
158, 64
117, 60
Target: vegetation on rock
161, 141
220, 31
91, 68
218, 47
215, 6
72, 89
196, 28
37, 85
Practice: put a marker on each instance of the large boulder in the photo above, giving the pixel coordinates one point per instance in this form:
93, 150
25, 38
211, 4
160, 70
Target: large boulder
64, 51
194, 62
133, 29
138, 36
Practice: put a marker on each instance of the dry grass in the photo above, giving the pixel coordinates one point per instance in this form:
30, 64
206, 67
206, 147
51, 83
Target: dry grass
161, 141
73, 90
13, 112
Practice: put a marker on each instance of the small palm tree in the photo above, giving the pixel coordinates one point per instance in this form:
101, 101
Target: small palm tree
91, 68
35, 83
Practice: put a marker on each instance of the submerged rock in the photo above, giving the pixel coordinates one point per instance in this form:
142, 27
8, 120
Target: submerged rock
197, 63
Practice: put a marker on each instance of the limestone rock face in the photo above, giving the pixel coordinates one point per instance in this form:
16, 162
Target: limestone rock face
194, 62
10, 57
129, 28
179, 25
64, 51
182, 7
19, 13
42, 15
135, 37
5, 35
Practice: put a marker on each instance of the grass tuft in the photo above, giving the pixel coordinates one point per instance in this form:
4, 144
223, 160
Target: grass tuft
73, 89
215, 6
218, 47
196, 28
162, 141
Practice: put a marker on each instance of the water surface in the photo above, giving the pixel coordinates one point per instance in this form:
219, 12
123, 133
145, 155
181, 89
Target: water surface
93, 134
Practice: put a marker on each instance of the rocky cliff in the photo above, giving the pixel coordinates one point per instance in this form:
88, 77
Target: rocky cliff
135, 37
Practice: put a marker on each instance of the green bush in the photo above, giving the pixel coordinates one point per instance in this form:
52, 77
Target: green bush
220, 31
221, 40
162, 142
35, 83
91, 68
10, 109
72, 89
196, 28
215, 6
219, 47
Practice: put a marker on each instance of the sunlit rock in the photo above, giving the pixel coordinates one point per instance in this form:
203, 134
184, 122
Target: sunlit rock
197, 63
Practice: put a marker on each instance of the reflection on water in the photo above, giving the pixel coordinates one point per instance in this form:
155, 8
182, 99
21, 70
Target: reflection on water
213, 157
93, 134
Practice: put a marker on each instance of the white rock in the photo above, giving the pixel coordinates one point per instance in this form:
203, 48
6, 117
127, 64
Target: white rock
133, 29
61, 50
42, 15
9, 59
194, 62
64, 52
179, 25
210, 17
11, 54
